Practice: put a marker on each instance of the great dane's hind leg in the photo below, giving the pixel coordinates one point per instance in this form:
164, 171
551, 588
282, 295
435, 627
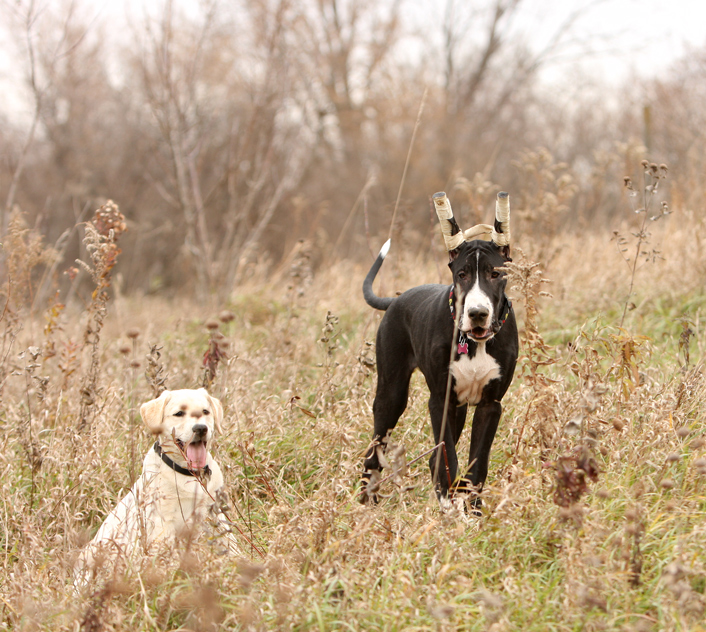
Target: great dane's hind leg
390, 402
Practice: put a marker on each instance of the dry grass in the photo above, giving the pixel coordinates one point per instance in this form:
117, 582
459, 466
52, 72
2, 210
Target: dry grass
554, 550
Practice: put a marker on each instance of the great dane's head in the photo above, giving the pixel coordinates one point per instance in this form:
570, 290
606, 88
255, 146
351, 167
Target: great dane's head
479, 281
480, 286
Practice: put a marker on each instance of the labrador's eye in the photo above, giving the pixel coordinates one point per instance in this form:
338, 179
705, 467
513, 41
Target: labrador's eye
179, 413
206, 412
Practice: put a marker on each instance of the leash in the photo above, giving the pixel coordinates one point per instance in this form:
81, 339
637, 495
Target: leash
463, 339
176, 467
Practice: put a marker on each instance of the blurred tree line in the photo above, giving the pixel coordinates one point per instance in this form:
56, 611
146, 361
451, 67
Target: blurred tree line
228, 133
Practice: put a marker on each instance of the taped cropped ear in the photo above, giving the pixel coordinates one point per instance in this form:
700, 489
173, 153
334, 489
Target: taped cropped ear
153, 412
217, 410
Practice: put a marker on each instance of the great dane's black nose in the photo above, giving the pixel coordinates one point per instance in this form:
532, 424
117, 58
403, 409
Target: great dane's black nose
199, 430
478, 314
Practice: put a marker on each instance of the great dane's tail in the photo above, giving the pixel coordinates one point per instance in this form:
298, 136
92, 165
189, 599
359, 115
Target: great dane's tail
376, 301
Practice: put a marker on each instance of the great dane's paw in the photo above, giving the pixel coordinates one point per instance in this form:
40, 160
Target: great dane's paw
451, 506
468, 492
473, 506
459, 509
369, 485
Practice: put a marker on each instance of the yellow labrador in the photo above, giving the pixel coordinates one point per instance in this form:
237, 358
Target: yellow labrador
177, 487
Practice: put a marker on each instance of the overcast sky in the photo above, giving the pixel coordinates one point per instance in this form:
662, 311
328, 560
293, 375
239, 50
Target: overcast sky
627, 37
640, 37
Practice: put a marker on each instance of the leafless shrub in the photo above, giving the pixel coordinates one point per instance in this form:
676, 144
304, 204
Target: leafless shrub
216, 353
653, 175
572, 474
546, 189
525, 277
23, 251
101, 241
155, 371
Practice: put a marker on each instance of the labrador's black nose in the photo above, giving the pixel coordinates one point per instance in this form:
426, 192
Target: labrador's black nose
199, 430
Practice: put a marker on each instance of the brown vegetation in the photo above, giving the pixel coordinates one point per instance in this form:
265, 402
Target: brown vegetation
256, 159
593, 514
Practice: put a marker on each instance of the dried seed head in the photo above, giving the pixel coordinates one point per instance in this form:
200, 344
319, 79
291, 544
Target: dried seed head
644, 163
603, 493
683, 432
631, 514
697, 443
618, 424
125, 348
133, 333
212, 324
653, 168
667, 483
673, 457
108, 218
664, 168
226, 316
135, 364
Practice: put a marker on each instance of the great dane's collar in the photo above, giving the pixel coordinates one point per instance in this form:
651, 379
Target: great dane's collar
462, 337
178, 468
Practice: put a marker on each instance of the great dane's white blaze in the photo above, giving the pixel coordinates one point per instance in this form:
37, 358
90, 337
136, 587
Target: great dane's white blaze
476, 299
473, 374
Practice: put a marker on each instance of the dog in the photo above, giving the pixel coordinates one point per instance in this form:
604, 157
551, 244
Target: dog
417, 331
176, 490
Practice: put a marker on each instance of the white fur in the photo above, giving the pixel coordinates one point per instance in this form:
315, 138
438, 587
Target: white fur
472, 374
476, 298
162, 503
385, 248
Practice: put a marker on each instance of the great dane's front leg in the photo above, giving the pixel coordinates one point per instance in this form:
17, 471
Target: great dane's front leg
447, 453
485, 425
460, 422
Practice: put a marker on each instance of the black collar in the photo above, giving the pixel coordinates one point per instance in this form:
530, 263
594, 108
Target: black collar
462, 337
178, 468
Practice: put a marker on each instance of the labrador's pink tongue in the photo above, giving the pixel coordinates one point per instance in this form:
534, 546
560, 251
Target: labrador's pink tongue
196, 453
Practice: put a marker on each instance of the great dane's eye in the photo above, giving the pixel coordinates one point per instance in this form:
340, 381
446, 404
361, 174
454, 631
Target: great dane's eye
462, 275
179, 413
494, 274
206, 412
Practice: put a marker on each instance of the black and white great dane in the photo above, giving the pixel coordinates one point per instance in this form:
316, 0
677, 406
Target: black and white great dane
417, 331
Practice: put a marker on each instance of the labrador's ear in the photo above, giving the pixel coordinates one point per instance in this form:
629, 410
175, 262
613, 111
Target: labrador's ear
153, 412
217, 410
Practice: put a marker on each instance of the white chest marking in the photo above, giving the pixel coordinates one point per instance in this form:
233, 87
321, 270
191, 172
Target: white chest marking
472, 374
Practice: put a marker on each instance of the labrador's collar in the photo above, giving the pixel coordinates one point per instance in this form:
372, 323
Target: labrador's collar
178, 468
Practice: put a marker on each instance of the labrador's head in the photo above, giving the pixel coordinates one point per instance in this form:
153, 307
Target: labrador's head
187, 418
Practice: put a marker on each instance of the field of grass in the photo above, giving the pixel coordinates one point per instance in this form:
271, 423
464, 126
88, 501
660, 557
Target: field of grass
595, 510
